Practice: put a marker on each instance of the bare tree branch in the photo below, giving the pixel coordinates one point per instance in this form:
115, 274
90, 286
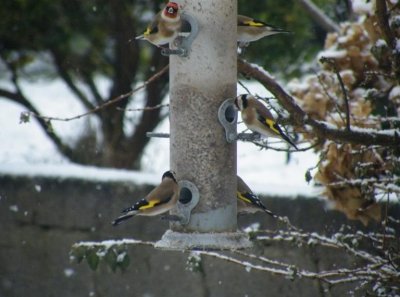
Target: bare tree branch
93, 88
321, 129
44, 123
20, 98
342, 86
105, 104
383, 22
326, 91
373, 262
147, 108
155, 92
63, 72
319, 16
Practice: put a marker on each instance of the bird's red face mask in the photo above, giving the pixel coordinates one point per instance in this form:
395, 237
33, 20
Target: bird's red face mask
171, 10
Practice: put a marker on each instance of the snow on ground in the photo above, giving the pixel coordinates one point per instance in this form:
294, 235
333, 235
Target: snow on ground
67, 171
25, 149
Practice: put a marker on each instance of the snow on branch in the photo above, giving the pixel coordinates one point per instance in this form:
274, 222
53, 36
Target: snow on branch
112, 252
321, 129
375, 264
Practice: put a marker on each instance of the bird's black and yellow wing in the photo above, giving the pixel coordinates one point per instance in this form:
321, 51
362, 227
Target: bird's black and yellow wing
253, 200
273, 126
252, 23
143, 204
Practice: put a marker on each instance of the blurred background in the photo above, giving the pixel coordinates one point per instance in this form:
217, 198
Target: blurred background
63, 180
86, 51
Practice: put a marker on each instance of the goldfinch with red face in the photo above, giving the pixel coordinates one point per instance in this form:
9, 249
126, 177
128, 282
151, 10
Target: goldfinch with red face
165, 26
259, 119
160, 200
250, 29
247, 202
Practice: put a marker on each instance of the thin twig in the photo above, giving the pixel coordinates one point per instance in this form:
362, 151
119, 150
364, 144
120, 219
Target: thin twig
107, 243
147, 108
106, 104
385, 221
332, 63
329, 96
262, 259
244, 137
363, 181
388, 35
376, 269
244, 87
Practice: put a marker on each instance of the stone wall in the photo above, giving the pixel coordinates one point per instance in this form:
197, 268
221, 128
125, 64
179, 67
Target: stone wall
41, 218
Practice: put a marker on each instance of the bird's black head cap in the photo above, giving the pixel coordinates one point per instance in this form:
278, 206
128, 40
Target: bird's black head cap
244, 100
169, 174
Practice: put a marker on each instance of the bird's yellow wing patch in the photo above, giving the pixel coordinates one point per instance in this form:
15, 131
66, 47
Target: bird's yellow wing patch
147, 32
271, 124
150, 204
152, 29
253, 23
242, 197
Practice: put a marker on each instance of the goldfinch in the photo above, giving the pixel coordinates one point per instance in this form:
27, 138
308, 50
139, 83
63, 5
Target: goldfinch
247, 202
160, 200
165, 26
259, 119
250, 29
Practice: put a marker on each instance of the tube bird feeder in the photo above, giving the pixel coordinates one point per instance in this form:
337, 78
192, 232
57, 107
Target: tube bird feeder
199, 151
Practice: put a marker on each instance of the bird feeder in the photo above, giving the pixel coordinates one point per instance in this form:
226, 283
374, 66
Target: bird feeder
199, 150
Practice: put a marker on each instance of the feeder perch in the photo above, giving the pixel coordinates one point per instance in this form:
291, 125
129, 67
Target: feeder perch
227, 116
183, 43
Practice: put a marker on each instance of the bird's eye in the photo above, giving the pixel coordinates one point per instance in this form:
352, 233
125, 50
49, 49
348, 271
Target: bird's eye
171, 10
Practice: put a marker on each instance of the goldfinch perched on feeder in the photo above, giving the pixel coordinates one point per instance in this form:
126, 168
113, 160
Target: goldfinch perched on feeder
249, 30
165, 26
160, 200
259, 119
247, 202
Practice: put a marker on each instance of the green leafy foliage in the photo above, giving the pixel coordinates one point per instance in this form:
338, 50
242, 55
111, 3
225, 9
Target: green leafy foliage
194, 263
25, 117
92, 258
114, 256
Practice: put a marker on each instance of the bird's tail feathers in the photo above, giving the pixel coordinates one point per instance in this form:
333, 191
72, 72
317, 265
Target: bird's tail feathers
278, 30
269, 212
128, 209
120, 219
274, 31
139, 37
288, 140
256, 201
278, 130
127, 213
